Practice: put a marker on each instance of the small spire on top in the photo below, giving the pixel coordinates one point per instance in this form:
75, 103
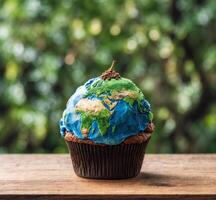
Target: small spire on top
110, 73
112, 66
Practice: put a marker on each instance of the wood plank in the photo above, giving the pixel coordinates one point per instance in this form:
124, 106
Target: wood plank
163, 176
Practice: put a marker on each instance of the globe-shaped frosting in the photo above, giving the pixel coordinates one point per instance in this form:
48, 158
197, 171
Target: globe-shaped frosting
106, 111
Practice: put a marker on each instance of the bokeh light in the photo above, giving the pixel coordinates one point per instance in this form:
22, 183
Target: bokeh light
49, 48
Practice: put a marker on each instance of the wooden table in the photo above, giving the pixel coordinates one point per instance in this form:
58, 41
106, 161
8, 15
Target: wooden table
162, 177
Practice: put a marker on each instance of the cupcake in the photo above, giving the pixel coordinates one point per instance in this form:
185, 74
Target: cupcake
107, 125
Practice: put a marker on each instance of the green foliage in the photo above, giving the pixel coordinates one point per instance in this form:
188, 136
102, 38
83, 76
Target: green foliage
101, 117
48, 48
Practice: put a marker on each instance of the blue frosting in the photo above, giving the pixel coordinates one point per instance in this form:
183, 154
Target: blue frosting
125, 119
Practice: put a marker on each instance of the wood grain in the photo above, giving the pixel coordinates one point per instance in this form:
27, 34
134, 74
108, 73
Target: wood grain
162, 177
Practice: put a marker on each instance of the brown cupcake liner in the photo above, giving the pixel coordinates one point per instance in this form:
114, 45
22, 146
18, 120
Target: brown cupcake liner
107, 162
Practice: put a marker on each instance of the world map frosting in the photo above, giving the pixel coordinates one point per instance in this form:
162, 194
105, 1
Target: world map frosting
106, 110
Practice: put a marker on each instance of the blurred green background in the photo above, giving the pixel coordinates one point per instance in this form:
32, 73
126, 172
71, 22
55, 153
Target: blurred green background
48, 48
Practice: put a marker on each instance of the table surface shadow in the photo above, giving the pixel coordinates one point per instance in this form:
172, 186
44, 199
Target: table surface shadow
51, 176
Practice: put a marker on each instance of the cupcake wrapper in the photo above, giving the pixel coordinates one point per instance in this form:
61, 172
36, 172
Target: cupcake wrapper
107, 162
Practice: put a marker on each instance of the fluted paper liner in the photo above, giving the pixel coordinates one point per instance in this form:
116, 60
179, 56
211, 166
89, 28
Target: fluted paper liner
107, 162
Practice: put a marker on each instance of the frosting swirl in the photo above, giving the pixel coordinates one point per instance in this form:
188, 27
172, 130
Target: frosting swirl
106, 110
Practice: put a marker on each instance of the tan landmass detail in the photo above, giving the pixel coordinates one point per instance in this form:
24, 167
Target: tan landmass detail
85, 132
124, 93
88, 105
94, 106
107, 101
112, 105
116, 95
